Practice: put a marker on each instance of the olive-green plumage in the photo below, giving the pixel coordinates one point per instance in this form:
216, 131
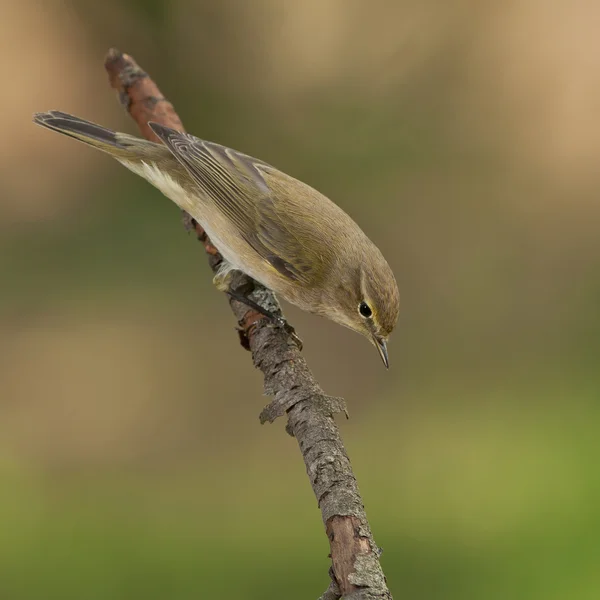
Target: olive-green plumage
276, 229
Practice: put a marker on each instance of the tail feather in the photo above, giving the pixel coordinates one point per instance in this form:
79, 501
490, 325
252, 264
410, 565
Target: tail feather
119, 145
77, 128
152, 161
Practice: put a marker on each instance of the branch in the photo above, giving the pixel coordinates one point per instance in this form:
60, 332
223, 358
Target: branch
355, 571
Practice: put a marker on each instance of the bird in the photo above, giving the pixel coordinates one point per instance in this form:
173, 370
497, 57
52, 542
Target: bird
274, 228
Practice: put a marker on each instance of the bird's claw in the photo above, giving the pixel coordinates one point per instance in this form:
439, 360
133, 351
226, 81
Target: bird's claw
274, 319
279, 321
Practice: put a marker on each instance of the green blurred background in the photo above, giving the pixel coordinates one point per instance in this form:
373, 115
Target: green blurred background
464, 137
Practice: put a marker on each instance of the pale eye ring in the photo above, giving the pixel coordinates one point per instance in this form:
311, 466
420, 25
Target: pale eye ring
365, 310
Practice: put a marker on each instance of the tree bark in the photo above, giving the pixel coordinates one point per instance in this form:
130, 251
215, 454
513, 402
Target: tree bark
355, 570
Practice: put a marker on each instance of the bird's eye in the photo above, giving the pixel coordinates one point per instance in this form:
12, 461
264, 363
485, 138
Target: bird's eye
365, 310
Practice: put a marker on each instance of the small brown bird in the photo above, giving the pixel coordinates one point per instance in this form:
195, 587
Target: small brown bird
276, 229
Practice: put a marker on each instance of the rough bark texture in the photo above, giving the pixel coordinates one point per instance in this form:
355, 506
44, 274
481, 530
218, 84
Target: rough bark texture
355, 571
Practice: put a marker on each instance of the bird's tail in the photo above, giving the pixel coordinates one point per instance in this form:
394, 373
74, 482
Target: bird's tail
119, 145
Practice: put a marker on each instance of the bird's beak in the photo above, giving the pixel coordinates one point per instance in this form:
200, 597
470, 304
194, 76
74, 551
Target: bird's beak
382, 347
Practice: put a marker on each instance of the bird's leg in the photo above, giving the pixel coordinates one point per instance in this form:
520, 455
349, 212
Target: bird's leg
223, 280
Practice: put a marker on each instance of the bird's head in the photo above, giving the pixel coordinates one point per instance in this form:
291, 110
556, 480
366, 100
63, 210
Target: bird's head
367, 298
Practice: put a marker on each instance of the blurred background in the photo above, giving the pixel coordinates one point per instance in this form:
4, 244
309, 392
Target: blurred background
464, 138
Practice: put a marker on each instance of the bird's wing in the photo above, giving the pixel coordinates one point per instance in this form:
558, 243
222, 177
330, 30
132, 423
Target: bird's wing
236, 183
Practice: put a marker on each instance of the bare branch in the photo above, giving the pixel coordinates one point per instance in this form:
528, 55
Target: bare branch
356, 572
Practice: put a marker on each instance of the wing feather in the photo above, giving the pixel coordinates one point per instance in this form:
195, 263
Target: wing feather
236, 183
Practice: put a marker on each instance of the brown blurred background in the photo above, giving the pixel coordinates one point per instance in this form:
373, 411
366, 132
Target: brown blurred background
464, 137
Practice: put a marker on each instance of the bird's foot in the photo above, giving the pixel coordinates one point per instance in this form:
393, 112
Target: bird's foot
279, 321
275, 320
